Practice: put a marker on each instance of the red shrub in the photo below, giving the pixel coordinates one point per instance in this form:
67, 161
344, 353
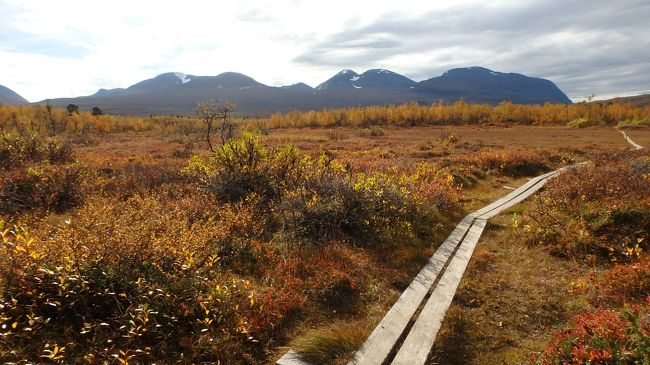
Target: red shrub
602, 337
626, 283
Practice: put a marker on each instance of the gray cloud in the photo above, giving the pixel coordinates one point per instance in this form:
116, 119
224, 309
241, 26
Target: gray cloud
584, 46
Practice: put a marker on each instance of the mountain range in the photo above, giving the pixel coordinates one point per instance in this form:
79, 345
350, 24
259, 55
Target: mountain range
178, 93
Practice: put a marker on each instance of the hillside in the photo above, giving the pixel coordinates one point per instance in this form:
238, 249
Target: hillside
637, 100
10, 97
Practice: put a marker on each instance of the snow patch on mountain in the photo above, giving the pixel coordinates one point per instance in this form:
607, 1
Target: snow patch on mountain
355, 78
183, 77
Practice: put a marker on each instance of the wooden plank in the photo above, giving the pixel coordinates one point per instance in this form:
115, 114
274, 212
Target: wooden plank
291, 358
418, 343
520, 190
517, 199
381, 341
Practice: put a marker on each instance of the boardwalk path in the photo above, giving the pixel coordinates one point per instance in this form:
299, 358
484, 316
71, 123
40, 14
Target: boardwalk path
444, 269
630, 141
440, 276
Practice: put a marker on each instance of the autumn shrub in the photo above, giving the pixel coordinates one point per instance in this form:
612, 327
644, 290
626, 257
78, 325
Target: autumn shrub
633, 123
602, 337
584, 122
602, 211
370, 209
335, 276
237, 169
510, 162
513, 162
624, 284
316, 198
17, 150
51, 187
371, 132
127, 178
132, 280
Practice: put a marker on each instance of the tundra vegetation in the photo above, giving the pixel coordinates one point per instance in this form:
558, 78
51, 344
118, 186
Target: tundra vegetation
127, 240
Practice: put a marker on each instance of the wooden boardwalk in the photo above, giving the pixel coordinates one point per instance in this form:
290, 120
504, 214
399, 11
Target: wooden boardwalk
440, 276
629, 140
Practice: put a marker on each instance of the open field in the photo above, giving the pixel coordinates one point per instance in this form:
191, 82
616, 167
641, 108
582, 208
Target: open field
412, 143
172, 252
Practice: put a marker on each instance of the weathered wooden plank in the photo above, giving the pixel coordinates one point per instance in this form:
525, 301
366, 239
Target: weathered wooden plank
512, 195
291, 358
517, 199
419, 341
421, 337
383, 338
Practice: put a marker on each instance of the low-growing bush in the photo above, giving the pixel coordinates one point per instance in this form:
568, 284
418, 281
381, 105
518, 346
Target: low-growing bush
371, 132
633, 123
239, 168
602, 337
17, 150
514, 163
600, 211
584, 123
51, 187
624, 284
372, 210
317, 199
132, 280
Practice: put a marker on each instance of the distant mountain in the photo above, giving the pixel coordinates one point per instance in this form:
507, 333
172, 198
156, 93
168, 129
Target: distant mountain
371, 79
478, 84
637, 100
178, 93
298, 86
108, 92
9, 97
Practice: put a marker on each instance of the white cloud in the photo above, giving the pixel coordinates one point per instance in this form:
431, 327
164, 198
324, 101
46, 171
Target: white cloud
76, 47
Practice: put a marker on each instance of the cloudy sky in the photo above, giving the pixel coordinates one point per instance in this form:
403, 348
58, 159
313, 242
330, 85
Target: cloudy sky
69, 48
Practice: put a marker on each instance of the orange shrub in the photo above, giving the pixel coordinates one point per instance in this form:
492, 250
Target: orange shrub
625, 284
602, 337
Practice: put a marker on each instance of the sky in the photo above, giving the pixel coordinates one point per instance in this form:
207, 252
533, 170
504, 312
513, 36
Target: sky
68, 48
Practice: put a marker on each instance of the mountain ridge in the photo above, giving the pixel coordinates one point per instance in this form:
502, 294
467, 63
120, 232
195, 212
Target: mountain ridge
178, 93
10, 97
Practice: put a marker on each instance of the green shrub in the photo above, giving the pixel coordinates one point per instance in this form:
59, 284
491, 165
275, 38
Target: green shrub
633, 123
371, 210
